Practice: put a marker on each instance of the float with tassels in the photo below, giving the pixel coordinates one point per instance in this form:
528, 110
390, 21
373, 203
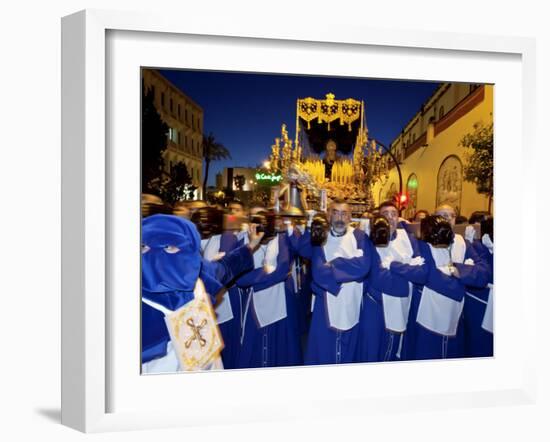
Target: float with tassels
331, 158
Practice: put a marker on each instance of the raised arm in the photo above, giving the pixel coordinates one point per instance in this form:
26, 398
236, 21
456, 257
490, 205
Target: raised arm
259, 279
230, 266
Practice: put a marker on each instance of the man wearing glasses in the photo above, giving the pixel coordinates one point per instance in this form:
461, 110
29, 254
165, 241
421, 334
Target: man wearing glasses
340, 261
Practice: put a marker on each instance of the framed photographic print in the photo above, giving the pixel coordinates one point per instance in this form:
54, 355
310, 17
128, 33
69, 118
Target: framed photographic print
382, 123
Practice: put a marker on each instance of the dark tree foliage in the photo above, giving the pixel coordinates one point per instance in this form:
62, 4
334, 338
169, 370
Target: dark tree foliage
154, 139
479, 159
177, 185
216, 197
229, 193
212, 151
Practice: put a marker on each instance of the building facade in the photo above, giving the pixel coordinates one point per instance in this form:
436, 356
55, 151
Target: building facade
431, 157
230, 173
185, 120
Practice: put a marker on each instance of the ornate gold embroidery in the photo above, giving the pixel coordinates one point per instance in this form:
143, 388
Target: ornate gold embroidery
184, 331
329, 110
196, 332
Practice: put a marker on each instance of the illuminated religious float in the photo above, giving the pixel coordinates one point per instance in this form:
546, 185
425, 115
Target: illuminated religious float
331, 157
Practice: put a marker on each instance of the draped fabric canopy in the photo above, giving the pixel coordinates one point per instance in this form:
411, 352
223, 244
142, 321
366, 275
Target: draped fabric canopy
330, 119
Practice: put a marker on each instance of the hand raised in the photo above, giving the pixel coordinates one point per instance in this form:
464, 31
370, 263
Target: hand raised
254, 237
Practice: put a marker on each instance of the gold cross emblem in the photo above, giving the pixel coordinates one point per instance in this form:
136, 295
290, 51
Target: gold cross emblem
196, 333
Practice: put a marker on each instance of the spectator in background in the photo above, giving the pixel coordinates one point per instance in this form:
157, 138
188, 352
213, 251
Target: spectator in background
420, 215
152, 204
478, 216
237, 208
460, 219
182, 208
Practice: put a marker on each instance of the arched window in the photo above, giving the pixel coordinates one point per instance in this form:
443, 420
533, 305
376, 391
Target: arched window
449, 183
412, 192
391, 193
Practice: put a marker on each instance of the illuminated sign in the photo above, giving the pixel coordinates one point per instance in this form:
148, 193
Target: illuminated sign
271, 177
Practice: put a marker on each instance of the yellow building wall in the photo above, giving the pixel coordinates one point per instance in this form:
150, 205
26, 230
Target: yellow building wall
426, 161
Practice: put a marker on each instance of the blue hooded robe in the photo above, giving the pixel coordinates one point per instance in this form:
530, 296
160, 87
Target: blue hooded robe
427, 343
401, 280
270, 328
328, 344
478, 341
231, 328
171, 265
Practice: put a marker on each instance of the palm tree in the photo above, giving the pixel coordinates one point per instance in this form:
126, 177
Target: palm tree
212, 151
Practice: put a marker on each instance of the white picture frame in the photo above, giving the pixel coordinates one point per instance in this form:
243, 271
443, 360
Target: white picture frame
87, 230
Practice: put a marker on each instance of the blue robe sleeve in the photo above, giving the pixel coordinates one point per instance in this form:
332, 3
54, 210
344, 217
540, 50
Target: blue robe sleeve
330, 275
383, 280
233, 264
154, 337
440, 282
414, 274
354, 269
228, 242
294, 242
321, 272
476, 275
487, 257
259, 279
303, 245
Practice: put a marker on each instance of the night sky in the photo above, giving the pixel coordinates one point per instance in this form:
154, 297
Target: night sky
245, 111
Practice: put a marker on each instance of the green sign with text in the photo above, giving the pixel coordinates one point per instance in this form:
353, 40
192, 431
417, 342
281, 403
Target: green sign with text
268, 178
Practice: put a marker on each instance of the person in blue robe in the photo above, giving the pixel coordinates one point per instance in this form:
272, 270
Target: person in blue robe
270, 336
437, 314
397, 274
301, 275
340, 260
216, 243
171, 266
478, 320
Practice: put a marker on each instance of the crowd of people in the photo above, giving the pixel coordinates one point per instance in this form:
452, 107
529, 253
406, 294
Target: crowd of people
324, 288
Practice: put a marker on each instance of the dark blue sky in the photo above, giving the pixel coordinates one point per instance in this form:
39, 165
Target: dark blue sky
245, 111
